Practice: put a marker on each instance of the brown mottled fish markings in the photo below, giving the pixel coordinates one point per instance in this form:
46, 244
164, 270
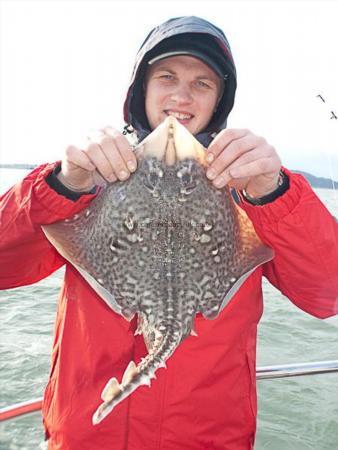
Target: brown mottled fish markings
164, 245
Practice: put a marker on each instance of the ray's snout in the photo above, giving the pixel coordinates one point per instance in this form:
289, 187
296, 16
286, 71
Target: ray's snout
171, 142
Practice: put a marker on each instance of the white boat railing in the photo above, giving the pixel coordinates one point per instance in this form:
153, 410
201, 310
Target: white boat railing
262, 373
296, 369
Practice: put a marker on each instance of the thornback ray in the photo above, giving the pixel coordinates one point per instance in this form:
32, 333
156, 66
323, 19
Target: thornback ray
165, 245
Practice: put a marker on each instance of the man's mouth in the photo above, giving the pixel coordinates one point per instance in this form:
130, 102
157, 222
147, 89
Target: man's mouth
181, 116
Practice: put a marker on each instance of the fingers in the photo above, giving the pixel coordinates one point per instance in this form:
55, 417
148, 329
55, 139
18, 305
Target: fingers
124, 148
231, 151
111, 154
222, 140
259, 161
239, 157
263, 165
257, 164
79, 158
105, 157
117, 152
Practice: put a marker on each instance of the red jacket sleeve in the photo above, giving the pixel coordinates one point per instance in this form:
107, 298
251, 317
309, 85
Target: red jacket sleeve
304, 236
26, 256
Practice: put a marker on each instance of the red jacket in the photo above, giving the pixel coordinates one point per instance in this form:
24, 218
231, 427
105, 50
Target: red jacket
206, 398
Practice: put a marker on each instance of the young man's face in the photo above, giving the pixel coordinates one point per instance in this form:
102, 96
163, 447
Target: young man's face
184, 87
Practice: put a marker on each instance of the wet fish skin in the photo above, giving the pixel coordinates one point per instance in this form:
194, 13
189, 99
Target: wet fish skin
164, 245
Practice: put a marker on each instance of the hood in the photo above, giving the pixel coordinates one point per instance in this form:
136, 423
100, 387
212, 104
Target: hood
194, 30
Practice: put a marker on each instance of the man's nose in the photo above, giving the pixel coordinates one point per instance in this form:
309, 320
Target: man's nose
182, 94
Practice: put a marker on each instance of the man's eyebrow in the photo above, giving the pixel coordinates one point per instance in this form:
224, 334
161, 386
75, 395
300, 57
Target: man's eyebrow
206, 77
199, 77
164, 68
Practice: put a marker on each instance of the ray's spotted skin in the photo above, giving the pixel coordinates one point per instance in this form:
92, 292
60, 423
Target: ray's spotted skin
164, 244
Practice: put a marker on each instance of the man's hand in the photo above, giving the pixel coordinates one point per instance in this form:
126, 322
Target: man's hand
107, 154
243, 160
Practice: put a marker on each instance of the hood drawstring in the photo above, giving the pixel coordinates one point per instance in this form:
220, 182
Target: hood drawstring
128, 129
132, 135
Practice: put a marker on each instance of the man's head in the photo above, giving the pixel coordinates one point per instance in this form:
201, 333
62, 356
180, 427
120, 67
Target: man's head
184, 87
192, 50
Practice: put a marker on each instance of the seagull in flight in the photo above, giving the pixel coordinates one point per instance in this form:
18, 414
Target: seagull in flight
333, 116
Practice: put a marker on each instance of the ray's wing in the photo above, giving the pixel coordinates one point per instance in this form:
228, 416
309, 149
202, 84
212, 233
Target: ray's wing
249, 253
77, 240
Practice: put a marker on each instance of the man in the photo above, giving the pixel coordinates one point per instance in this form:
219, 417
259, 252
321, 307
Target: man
206, 398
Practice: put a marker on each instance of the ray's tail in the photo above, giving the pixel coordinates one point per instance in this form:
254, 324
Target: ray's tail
167, 338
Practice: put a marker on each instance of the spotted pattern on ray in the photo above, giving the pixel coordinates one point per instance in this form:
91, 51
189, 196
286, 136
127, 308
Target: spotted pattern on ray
164, 245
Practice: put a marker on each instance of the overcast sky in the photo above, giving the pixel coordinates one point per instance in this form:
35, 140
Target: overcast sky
65, 68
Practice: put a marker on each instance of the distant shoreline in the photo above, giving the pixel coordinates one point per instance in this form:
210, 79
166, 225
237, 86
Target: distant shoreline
316, 182
18, 166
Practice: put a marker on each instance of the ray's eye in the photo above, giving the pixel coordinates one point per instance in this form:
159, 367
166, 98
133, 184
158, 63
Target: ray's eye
153, 176
151, 181
188, 183
187, 178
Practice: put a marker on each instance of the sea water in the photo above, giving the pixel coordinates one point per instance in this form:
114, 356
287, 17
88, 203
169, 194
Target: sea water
294, 413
